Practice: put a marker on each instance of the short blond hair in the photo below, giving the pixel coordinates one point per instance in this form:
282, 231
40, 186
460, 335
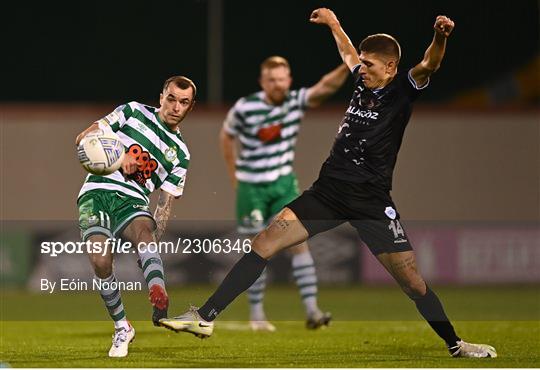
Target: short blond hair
274, 62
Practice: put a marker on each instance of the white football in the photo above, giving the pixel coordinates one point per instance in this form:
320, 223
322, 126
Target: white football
101, 153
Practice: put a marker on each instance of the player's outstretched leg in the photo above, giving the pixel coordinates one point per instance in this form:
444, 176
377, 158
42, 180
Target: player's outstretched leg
140, 233
305, 278
190, 322
105, 279
284, 231
257, 317
402, 266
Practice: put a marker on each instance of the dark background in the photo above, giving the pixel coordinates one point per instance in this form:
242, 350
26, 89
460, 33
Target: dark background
117, 51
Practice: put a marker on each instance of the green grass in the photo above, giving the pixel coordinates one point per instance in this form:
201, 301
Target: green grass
373, 327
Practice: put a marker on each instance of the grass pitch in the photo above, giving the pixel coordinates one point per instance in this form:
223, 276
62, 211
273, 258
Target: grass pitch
373, 327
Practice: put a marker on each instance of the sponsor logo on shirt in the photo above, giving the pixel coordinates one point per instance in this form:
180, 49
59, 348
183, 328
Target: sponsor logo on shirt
269, 133
363, 113
142, 127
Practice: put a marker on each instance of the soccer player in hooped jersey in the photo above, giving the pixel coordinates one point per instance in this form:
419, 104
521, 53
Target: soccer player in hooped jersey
117, 205
354, 183
266, 124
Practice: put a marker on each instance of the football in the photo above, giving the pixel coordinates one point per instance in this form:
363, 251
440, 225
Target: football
100, 153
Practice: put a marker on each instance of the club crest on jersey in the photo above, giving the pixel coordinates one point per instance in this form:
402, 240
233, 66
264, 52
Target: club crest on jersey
390, 212
170, 154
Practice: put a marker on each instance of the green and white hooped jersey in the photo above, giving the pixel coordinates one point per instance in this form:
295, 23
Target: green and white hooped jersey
143, 133
267, 134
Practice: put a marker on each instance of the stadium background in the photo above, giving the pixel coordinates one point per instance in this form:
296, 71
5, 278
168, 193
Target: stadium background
468, 176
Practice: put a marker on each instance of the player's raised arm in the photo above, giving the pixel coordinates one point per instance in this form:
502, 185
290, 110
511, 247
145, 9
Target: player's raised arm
327, 86
162, 213
435, 52
346, 48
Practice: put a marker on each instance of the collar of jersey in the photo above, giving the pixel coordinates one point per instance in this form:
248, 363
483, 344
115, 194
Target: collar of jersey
163, 124
377, 92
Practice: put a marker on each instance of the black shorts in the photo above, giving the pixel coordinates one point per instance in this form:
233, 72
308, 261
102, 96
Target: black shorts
370, 210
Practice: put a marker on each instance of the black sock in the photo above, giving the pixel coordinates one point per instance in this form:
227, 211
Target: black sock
239, 279
430, 307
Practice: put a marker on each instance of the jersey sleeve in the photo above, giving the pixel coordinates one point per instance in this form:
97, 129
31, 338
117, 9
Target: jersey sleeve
408, 85
235, 120
174, 183
116, 119
303, 98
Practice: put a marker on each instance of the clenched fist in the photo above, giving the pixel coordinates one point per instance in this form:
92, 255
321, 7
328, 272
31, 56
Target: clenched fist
443, 25
323, 16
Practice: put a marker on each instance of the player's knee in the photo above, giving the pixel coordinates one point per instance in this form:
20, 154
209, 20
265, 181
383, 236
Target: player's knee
414, 288
147, 233
102, 266
264, 245
140, 229
144, 232
299, 248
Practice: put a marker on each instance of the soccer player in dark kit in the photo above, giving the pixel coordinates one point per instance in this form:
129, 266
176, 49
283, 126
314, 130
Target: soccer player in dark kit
354, 183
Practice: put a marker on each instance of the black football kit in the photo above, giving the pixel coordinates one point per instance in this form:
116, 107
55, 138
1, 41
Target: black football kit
354, 186
355, 181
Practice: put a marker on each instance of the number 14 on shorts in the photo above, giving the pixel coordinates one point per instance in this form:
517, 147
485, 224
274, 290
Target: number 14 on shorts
396, 228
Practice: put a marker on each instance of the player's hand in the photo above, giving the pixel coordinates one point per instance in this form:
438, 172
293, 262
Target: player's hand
93, 129
129, 165
443, 25
323, 16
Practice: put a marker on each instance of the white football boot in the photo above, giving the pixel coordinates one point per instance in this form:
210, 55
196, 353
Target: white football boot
120, 341
261, 325
190, 322
464, 349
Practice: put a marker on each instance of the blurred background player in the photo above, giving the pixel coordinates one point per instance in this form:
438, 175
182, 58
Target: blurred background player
117, 205
266, 124
355, 182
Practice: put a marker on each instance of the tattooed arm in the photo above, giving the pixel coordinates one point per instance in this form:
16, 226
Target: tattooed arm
162, 212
